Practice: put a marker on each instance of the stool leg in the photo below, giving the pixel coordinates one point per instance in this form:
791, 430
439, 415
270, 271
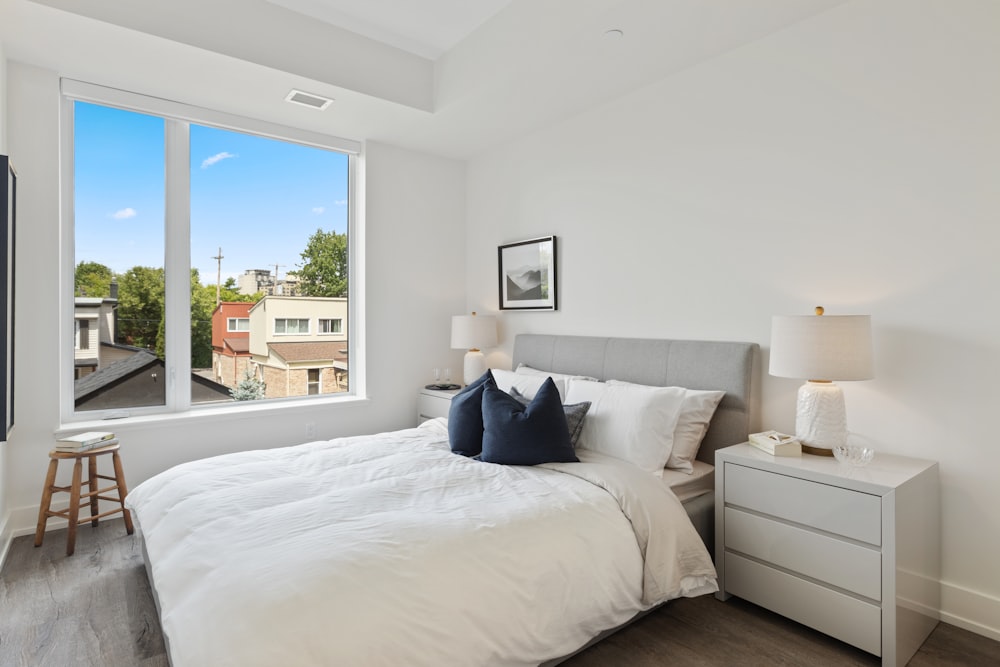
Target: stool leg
43, 509
122, 490
74, 506
92, 486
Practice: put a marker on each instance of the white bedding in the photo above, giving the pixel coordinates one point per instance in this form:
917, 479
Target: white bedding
391, 550
690, 486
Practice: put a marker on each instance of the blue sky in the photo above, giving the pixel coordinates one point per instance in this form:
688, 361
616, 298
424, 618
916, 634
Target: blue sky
258, 199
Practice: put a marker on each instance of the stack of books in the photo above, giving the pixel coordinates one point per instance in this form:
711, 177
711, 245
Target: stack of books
776, 444
86, 441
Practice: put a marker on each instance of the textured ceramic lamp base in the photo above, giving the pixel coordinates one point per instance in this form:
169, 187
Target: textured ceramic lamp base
475, 365
820, 418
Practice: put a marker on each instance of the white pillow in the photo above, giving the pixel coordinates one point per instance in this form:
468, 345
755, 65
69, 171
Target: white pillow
528, 385
692, 424
630, 422
528, 370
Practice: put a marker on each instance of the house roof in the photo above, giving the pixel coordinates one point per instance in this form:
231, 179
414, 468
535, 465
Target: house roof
325, 351
123, 346
112, 373
238, 345
122, 370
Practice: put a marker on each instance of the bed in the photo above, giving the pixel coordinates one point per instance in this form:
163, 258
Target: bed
391, 549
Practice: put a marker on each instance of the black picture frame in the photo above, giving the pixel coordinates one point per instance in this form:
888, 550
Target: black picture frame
8, 207
527, 275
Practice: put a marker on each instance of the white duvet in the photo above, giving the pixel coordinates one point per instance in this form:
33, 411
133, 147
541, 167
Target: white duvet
391, 550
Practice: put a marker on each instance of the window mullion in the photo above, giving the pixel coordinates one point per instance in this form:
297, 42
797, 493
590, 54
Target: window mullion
67, 246
177, 262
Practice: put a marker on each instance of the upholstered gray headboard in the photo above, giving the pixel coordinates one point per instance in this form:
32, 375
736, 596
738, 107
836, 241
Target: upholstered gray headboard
681, 363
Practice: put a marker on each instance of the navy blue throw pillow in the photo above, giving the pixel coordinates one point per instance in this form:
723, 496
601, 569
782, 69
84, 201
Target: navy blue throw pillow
465, 417
574, 415
525, 435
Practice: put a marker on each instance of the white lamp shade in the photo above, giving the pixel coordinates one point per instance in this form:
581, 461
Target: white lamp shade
822, 347
473, 332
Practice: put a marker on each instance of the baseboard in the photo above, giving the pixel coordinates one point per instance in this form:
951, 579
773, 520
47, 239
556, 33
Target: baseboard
970, 610
24, 520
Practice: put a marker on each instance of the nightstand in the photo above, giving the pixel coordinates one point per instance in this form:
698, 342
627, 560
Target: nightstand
851, 552
433, 403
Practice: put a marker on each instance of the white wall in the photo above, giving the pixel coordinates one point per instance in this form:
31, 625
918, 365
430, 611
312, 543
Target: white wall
415, 215
850, 162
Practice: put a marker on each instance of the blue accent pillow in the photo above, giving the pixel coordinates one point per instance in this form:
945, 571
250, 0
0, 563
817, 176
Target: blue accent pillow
574, 415
525, 435
465, 417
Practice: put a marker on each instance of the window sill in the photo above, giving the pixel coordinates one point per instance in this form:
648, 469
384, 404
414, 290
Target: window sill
229, 412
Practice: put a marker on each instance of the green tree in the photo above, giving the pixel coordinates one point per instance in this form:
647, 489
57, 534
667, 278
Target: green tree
140, 308
92, 279
249, 388
202, 306
324, 272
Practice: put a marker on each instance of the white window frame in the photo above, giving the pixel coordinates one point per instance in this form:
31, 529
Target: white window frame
331, 320
177, 263
291, 333
229, 324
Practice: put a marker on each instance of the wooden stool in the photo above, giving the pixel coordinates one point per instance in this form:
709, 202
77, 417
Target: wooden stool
72, 514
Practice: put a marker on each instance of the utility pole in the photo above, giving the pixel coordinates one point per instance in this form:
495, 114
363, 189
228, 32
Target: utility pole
218, 278
274, 291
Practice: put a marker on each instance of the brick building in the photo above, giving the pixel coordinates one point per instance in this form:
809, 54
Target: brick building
298, 345
230, 341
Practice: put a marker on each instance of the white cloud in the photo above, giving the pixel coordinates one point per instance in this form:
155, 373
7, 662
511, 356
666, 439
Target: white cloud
124, 214
318, 210
218, 157
341, 202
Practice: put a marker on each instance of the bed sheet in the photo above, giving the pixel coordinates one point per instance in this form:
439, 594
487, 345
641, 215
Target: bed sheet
688, 487
389, 550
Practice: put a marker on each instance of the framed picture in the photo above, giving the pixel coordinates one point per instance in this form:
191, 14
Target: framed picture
7, 207
528, 274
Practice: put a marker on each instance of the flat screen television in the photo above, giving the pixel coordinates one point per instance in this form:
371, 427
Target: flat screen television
7, 208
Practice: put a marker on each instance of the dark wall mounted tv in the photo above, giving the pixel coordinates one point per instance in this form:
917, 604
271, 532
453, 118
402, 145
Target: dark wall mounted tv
8, 201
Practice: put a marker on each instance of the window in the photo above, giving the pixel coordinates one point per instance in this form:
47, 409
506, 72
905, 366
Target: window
238, 324
291, 326
331, 326
312, 381
83, 334
171, 207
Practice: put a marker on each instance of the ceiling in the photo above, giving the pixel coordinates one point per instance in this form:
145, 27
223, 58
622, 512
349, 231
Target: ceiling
426, 28
446, 77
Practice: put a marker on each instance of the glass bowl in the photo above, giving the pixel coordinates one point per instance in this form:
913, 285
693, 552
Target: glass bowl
853, 454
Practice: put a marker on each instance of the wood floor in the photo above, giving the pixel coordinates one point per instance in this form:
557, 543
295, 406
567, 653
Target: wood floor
95, 608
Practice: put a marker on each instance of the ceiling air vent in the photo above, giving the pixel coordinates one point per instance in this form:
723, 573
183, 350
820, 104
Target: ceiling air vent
308, 100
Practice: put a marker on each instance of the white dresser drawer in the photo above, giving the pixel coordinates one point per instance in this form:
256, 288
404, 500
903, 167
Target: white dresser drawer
839, 615
433, 405
843, 564
836, 510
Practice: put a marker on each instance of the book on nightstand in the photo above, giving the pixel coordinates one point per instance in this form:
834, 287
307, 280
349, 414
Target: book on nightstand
84, 441
776, 444
66, 447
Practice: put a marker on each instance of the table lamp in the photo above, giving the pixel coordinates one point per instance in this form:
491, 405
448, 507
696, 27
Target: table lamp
472, 333
820, 349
